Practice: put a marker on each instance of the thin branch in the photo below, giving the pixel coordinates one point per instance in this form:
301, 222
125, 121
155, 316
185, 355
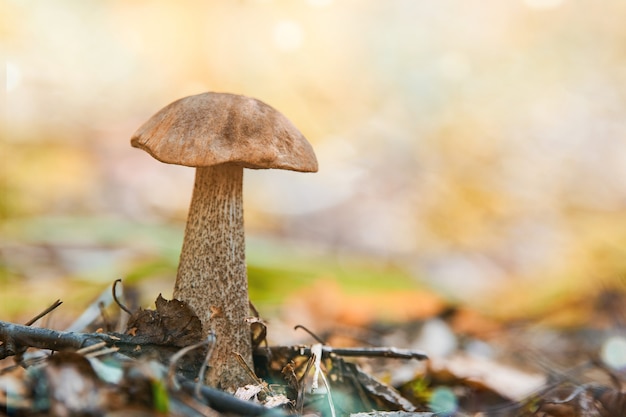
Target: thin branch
171, 371
43, 313
372, 352
210, 342
313, 335
117, 301
17, 336
91, 348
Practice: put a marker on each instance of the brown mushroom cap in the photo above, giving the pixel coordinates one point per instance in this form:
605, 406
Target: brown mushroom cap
217, 128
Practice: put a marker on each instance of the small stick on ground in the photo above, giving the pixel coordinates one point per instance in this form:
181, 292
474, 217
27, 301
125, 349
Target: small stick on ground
43, 313
117, 301
313, 335
372, 352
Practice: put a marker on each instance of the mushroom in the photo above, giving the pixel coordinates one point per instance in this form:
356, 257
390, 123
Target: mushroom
220, 134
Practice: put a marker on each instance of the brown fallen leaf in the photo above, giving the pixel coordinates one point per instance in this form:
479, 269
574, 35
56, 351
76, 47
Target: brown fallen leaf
173, 323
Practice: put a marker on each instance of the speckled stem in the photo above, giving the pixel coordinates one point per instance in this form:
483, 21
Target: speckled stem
212, 271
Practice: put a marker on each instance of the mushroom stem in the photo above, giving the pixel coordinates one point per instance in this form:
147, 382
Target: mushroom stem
212, 275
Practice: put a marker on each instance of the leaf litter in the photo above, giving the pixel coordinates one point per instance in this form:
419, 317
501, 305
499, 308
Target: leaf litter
152, 366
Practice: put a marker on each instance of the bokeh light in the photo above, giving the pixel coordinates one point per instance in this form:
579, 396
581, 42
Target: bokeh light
480, 144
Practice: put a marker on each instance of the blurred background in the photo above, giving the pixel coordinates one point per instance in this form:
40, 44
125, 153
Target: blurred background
475, 148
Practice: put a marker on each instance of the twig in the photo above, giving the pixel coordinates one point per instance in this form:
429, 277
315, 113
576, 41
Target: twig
385, 352
91, 348
102, 352
16, 336
374, 352
210, 342
117, 301
313, 335
43, 313
171, 371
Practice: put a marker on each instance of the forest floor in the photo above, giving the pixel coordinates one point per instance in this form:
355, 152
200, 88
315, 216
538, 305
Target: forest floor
446, 360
